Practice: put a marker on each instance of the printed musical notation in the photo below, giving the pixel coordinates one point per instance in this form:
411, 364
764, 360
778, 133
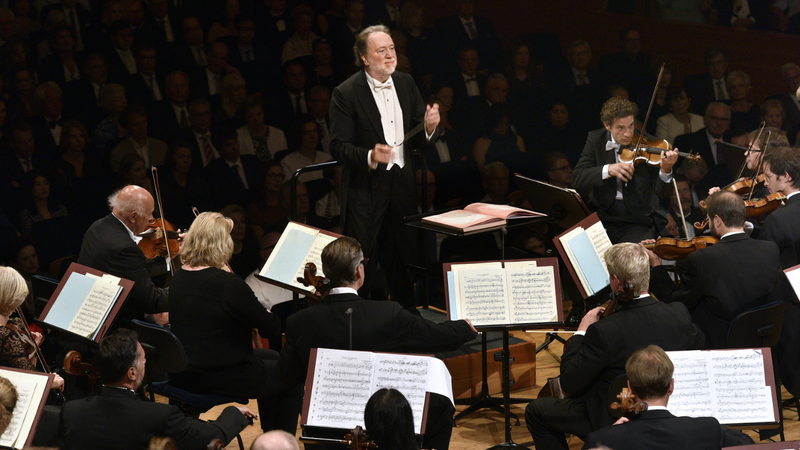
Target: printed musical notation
483, 295
729, 385
344, 381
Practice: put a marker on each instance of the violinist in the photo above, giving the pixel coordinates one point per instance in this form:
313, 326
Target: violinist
13, 351
598, 351
376, 327
110, 245
650, 380
782, 174
626, 195
714, 288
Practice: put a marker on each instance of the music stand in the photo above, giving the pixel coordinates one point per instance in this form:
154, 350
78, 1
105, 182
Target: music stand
733, 155
564, 205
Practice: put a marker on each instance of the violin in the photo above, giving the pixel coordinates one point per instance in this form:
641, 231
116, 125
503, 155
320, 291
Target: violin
20, 327
321, 284
745, 184
74, 365
649, 151
764, 206
160, 239
673, 249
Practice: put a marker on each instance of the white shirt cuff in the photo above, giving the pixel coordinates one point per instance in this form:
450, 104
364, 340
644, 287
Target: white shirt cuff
372, 165
605, 172
665, 177
580, 333
428, 136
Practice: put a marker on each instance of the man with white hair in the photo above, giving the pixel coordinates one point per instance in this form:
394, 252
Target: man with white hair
111, 245
275, 440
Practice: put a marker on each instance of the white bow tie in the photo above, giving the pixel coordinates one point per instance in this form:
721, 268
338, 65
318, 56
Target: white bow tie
611, 146
380, 86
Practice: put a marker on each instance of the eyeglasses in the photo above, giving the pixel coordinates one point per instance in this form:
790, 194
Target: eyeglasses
364, 262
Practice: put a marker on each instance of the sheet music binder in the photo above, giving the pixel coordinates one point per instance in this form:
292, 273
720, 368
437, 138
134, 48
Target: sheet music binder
585, 224
38, 403
105, 327
551, 262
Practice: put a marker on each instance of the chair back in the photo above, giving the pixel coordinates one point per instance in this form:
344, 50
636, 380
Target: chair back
757, 327
164, 350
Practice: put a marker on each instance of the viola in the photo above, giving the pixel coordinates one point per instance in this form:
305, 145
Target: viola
764, 206
745, 184
673, 249
160, 239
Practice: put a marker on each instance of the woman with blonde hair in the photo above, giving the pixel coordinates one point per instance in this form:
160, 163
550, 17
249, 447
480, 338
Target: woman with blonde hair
13, 291
8, 401
213, 313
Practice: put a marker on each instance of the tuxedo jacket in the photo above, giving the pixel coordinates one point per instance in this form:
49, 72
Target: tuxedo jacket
716, 291
697, 142
460, 94
378, 326
355, 126
162, 123
45, 142
136, 87
660, 430
640, 194
119, 419
107, 246
229, 187
700, 88
156, 151
591, 362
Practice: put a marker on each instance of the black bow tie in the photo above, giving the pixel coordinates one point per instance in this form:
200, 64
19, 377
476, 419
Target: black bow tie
53, 123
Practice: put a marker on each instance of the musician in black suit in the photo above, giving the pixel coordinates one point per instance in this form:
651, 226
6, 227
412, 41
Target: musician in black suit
117, 418
650, 381
110, 245
376, 327
625, 195
600, 348
453, 32
707, 87
717, 120
790, 72
714, 290
377, 181
236, 178
782, 169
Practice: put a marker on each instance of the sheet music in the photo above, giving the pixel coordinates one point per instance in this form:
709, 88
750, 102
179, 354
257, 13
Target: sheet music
406, 373
25, 391
599, 237
342, 387
483, 296
729, 385
532, 294
94, 308
456, 268
314, 255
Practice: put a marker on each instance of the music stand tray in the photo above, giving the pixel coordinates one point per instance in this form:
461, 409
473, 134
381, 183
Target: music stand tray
564, 205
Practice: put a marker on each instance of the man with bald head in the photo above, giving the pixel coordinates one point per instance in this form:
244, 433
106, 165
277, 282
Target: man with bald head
111, 245
275, 440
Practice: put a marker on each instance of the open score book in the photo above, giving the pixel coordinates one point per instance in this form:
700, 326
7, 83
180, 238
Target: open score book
479, 216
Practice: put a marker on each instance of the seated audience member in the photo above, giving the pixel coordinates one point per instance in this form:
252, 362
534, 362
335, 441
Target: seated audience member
695, 171
234, 96
23, 259
499, 142
110, 245
319, 103
120, 360
224, 26
532, 241
205, 295
377, 326
13, 291
630, 67
290, 96
717, 120
303, 213
248, 54
465, 27
708, 87
132, 171
744, 114
46, 125
199, 134
24, 157
189, 52
299, 44
81, 178
679, 120
233, 178
275, 440
258, 138
560, 134
147, 84
152, 150
598, 352
62, 65
113, 101
8, 400
495, 182
245, 249
267, 210
39, 204
389, 420
182, 187
206, 82
523, 77
467, 82
684, 203
23, 81
323, 72
420, 38
470, 115
661, 105
713, 290
303, 138
118, 55
170, 116
558, 169
773, 114
790, 72
650, 381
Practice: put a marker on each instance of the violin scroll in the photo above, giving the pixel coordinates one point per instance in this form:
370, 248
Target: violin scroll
74, 365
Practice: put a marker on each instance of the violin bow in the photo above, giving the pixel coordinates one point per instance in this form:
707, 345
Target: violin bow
760, 164
750, 148
154, 172
680, 207
650, 107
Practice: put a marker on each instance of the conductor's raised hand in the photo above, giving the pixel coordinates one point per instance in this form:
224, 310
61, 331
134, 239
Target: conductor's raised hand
432, 118
381, 154
621, 170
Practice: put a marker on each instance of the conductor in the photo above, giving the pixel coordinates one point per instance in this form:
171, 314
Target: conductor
370, 115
